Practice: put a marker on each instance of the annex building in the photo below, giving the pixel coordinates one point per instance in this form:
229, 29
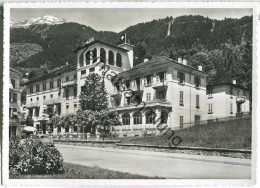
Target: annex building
175, 91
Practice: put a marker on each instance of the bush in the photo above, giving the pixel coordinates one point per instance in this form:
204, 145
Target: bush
33, 157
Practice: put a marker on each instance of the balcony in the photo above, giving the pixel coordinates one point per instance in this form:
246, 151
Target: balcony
155, 103
52, 101
69, 83
161, 84
32, 105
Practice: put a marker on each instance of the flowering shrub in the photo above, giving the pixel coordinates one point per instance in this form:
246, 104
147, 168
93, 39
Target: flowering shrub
33, 157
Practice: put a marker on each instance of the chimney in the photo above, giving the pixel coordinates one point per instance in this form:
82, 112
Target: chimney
234, 82
145, 60
184, 61
179, 60
200, 68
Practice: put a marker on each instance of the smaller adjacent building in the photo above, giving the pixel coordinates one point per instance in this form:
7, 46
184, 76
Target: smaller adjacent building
15, 102
227, 100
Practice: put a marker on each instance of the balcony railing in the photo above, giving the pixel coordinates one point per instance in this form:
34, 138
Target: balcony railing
52, 101
32, 105
160, 84
68, 83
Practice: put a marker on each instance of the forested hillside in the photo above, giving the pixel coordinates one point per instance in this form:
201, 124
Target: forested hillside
222, 47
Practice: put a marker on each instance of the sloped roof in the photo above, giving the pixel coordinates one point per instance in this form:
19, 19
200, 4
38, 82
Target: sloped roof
99, 41
228, 84
156, 62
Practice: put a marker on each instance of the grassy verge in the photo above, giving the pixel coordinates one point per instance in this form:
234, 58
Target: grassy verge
73, 171
234, 134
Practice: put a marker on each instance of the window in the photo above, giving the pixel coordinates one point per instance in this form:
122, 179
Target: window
31, 89
164, 116
181, 77
58, 82
75, 128
51, 85
67, 94
15, 114
111, 58
75, 77
148, 97
88, 57
128, 84
75, 92
44, 87
67, 129
161, 77
118, 60
231, 108
10, 112
127, 100
137, 118
37, 88
150, 117
37, 98
210, 91
181, 121
67, 109
181, 98
197, 82
102, 55
81, 60
83, 73
13, 83
37, 112
197, 101
148, 80
14, 97
67, 79
51, 95
10, 97
94, 55
31, 99
126, 119
92, 69
210, 109
44, 97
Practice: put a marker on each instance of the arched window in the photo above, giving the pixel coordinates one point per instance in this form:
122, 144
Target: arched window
126, 119
111, 58
118, 60
94, 55
88, 57
81, 60
102, 55
137, 118
150, 117
164, 116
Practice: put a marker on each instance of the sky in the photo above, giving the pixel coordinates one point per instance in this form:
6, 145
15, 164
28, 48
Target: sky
119, 19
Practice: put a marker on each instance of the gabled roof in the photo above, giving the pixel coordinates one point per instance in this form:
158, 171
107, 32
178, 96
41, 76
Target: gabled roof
99, 41
157, 62
16, 71
228, 84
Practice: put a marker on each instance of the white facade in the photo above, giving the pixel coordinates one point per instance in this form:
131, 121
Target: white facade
223, 101
174, 92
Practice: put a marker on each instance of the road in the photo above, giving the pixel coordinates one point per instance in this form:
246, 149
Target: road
167, 165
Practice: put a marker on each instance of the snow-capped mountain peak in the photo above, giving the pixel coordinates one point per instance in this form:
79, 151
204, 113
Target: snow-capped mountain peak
47, 19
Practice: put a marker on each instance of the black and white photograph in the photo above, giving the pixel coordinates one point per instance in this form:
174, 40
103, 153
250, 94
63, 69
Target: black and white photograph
129, 93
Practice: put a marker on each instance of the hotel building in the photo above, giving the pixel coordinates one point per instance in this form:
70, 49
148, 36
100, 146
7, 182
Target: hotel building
175, 91
14, 102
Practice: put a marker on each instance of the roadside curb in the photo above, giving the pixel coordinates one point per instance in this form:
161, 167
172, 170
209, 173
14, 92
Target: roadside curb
187, 148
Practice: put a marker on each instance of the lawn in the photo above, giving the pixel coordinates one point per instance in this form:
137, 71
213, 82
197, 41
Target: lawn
233, 134
73, 171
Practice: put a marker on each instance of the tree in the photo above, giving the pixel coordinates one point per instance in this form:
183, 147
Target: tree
93, 95
140, 52
104, 120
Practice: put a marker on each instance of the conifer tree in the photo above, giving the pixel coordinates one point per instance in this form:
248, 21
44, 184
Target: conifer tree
93, 95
